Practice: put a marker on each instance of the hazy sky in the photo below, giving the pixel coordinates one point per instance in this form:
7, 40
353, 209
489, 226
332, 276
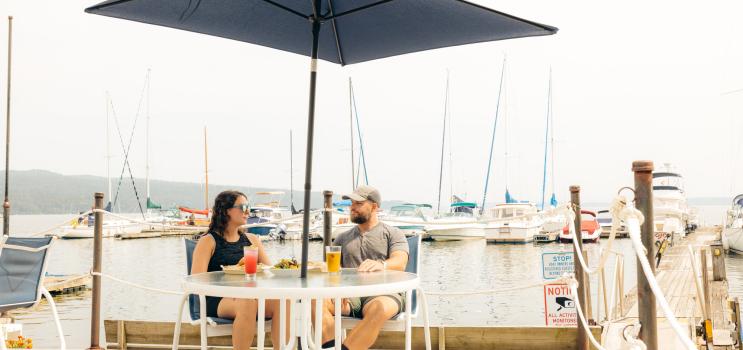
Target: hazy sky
631, 80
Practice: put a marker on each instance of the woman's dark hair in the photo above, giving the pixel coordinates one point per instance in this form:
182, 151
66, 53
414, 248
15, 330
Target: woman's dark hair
224, 202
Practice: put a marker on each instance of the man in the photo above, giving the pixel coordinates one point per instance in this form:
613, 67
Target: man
370, 246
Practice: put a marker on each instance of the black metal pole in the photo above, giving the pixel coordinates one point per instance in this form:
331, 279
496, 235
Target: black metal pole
6, 202
327, 218
310, 135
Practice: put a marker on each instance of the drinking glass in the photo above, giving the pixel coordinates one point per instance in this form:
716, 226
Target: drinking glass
251, 262
333, 258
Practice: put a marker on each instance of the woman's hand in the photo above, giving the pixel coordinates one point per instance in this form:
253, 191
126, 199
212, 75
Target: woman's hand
241, 262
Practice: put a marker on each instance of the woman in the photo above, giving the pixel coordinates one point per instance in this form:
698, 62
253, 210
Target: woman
223, 245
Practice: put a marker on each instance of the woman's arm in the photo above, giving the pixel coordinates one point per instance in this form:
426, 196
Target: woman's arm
202, 254
256, 242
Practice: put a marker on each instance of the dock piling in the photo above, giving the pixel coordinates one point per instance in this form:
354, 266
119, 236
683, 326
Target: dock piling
95, 319
327, 220
718, 262
582, 339
643, 174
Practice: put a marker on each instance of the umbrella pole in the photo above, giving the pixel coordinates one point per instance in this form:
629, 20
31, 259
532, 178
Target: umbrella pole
310, 136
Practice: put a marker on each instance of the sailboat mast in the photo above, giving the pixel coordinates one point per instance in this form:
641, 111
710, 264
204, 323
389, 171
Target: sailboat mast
492, 138
552, 138
361, 141
206, 176
350, 117
546, 135
147, 141
108, 146
443, 138
291, 170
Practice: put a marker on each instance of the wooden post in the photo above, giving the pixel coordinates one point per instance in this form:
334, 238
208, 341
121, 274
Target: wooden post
645, 298
442, 338
327, 220
95, 319
718, 262
736, 313
707, 303
582, 338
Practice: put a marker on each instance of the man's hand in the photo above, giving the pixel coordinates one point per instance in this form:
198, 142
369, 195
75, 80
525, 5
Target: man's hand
370, 266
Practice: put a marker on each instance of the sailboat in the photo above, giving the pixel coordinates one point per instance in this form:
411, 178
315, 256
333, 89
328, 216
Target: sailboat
83, 227
554, 221
516, 222
155, 215
192, 219
460, 222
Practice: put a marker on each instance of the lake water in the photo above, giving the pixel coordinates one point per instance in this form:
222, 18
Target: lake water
446, 266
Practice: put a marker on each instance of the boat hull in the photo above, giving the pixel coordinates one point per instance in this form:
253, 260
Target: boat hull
511, 234
732, 239
456, 233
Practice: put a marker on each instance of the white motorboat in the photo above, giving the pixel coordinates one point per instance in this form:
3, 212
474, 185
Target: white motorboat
511, 223
670, 210
732, 234
408, 217
86, 230
459, 224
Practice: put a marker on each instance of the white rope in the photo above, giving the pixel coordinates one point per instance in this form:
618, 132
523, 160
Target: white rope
617, 206
573, 283
503, 290
62, 224
164, 291
269, 222
633, 217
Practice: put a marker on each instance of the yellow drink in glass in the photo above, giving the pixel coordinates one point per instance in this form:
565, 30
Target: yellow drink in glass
333, 258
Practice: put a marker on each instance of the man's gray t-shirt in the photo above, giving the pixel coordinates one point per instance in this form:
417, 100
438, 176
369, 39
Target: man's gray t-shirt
376, 244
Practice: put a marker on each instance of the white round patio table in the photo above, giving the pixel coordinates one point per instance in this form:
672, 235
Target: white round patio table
317, 286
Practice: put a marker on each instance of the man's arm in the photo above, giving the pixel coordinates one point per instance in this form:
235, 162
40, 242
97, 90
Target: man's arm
397, 261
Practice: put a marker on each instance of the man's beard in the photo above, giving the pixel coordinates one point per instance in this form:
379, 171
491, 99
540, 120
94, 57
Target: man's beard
359, 219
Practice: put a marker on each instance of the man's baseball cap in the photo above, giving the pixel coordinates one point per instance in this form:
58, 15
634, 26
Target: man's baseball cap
363, 193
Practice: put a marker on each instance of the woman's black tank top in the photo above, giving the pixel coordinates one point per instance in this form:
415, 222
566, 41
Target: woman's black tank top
226, 253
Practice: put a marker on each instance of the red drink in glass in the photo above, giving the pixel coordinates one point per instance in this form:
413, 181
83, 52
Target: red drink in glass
251, 261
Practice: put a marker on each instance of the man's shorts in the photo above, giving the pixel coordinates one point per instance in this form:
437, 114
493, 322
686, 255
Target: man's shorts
357, 304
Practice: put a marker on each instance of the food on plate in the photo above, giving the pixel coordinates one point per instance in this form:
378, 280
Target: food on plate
287, 264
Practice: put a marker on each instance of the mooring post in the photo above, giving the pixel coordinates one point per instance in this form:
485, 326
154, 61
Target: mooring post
95, 319
718, 262
645, 298
327, 220
582, 339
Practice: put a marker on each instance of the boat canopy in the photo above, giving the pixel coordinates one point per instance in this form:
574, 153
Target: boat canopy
464, 204
665, 174
667, 188
738, 200
420, 205
343, 203
269, 193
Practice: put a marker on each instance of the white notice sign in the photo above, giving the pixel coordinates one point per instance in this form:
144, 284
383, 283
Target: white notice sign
555, 264
559, 307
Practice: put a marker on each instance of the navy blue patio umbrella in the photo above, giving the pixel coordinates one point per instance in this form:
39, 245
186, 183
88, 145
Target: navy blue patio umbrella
337, 31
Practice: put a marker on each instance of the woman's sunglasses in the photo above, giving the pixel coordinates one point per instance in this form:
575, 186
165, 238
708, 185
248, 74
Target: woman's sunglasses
244, 207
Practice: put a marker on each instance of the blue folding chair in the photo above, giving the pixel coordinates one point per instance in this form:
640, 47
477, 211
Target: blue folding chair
22, 268
400, 322
210, 326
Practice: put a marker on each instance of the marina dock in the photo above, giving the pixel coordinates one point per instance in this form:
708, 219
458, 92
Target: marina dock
675, 274
64, 284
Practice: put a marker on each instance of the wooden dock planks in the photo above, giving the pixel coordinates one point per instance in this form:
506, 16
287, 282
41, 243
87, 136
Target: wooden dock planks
676, 279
